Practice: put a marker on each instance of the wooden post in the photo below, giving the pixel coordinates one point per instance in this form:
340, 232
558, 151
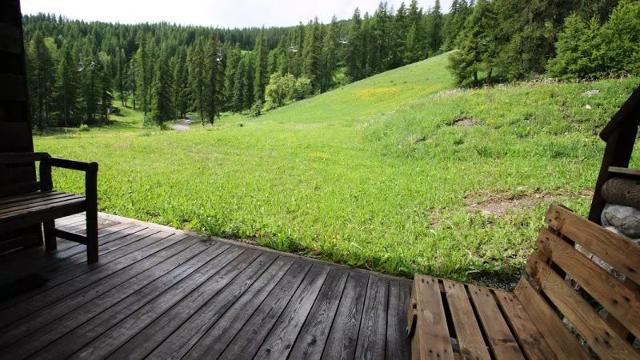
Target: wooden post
46, 184
91, 185
617, 153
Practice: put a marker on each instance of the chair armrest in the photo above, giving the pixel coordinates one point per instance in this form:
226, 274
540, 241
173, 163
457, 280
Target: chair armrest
72, 165
90, 170
22, 157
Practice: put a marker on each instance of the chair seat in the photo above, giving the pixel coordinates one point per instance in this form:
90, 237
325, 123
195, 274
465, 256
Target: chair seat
27, 209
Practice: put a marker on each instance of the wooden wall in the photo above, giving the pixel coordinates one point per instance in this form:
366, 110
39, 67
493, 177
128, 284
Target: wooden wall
15, 127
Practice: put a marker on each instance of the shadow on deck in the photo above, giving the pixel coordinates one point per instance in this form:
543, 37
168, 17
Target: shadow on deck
162, 293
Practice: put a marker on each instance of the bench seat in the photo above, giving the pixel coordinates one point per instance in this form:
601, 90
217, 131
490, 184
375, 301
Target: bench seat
34, 208
569, 304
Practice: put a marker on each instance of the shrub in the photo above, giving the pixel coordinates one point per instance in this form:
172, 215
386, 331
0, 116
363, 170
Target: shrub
620, 38
279, 90
84, 127
578, 50
302, 88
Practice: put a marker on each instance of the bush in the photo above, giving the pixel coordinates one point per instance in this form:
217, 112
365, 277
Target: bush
84, 127
578, 50
620, 38
279, 90
587, 50
302, 88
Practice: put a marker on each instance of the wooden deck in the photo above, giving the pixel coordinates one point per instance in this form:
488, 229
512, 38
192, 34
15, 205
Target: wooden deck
162, 293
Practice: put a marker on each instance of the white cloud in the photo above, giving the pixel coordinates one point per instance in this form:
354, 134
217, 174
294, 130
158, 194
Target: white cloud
219, 13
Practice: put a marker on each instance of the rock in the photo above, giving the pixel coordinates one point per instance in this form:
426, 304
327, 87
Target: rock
624, 219
590, 93
588, 107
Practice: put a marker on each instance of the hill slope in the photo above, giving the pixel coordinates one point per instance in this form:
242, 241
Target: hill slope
377, 174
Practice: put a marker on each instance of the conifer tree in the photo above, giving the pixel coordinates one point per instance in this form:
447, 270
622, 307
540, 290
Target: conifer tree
41, 79
181, 96
433, 30
214, 81
329, 56
312, 54
261, 76
162, 109
355, 50
66, 91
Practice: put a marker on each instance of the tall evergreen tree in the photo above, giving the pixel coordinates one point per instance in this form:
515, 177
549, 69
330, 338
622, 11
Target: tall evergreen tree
181, 95
214, 85
261, 76
41, 79
312, 54
329, 56
433, 30
66, 91
355, 50
162, 100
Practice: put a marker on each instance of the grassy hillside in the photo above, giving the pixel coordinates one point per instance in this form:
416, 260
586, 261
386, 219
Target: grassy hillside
377, 174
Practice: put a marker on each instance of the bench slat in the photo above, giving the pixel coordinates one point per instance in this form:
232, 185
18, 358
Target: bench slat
620, 253
18, 198
557, 336
35, 202
600, 337
44, 207
618, 299
432, 340
502, 342
530, 339
470, 340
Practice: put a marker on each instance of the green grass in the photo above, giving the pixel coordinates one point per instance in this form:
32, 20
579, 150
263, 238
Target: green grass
370, 175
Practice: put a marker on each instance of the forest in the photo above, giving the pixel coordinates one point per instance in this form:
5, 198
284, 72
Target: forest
79, 71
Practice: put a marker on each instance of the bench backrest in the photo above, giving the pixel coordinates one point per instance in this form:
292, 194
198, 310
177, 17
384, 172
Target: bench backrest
583, 282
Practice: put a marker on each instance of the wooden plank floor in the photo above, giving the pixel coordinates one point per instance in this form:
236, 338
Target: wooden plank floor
161, 293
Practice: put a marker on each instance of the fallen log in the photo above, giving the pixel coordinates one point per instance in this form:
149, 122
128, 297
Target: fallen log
621, 191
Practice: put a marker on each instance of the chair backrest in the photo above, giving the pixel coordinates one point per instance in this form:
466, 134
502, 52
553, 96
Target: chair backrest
583, 282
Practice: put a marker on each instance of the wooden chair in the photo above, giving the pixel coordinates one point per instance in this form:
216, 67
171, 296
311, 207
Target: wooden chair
38, 203
565, 307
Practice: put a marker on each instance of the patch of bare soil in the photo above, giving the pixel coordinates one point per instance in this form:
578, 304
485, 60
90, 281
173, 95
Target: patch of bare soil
465, 122
500, 203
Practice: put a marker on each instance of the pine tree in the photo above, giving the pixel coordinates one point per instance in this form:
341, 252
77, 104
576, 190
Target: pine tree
67, 86
197, 75
261, 76
231, 69
104, 87
477, 48
214, 83
181, 95
414, 48
162, 108
121, 76
41, 79
433, 30
312, 54
329, 56
90, 81
355, 51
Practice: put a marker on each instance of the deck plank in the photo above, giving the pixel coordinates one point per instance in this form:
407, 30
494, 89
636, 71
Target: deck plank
201, 338
373, 326
218, 337
259, 326
50, 313
161, 293
343, 336
179, 264
398, 343
209, 302
76, 339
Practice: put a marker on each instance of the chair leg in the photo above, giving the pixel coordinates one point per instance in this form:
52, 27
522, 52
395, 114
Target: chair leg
92, 236
50, 242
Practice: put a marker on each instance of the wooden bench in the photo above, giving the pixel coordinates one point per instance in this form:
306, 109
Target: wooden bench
38, 203
565, 307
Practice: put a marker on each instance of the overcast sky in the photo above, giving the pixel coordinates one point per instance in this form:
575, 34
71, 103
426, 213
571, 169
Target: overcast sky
219, 13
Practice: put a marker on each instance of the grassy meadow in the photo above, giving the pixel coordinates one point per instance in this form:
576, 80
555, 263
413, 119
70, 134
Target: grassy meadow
399, 173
